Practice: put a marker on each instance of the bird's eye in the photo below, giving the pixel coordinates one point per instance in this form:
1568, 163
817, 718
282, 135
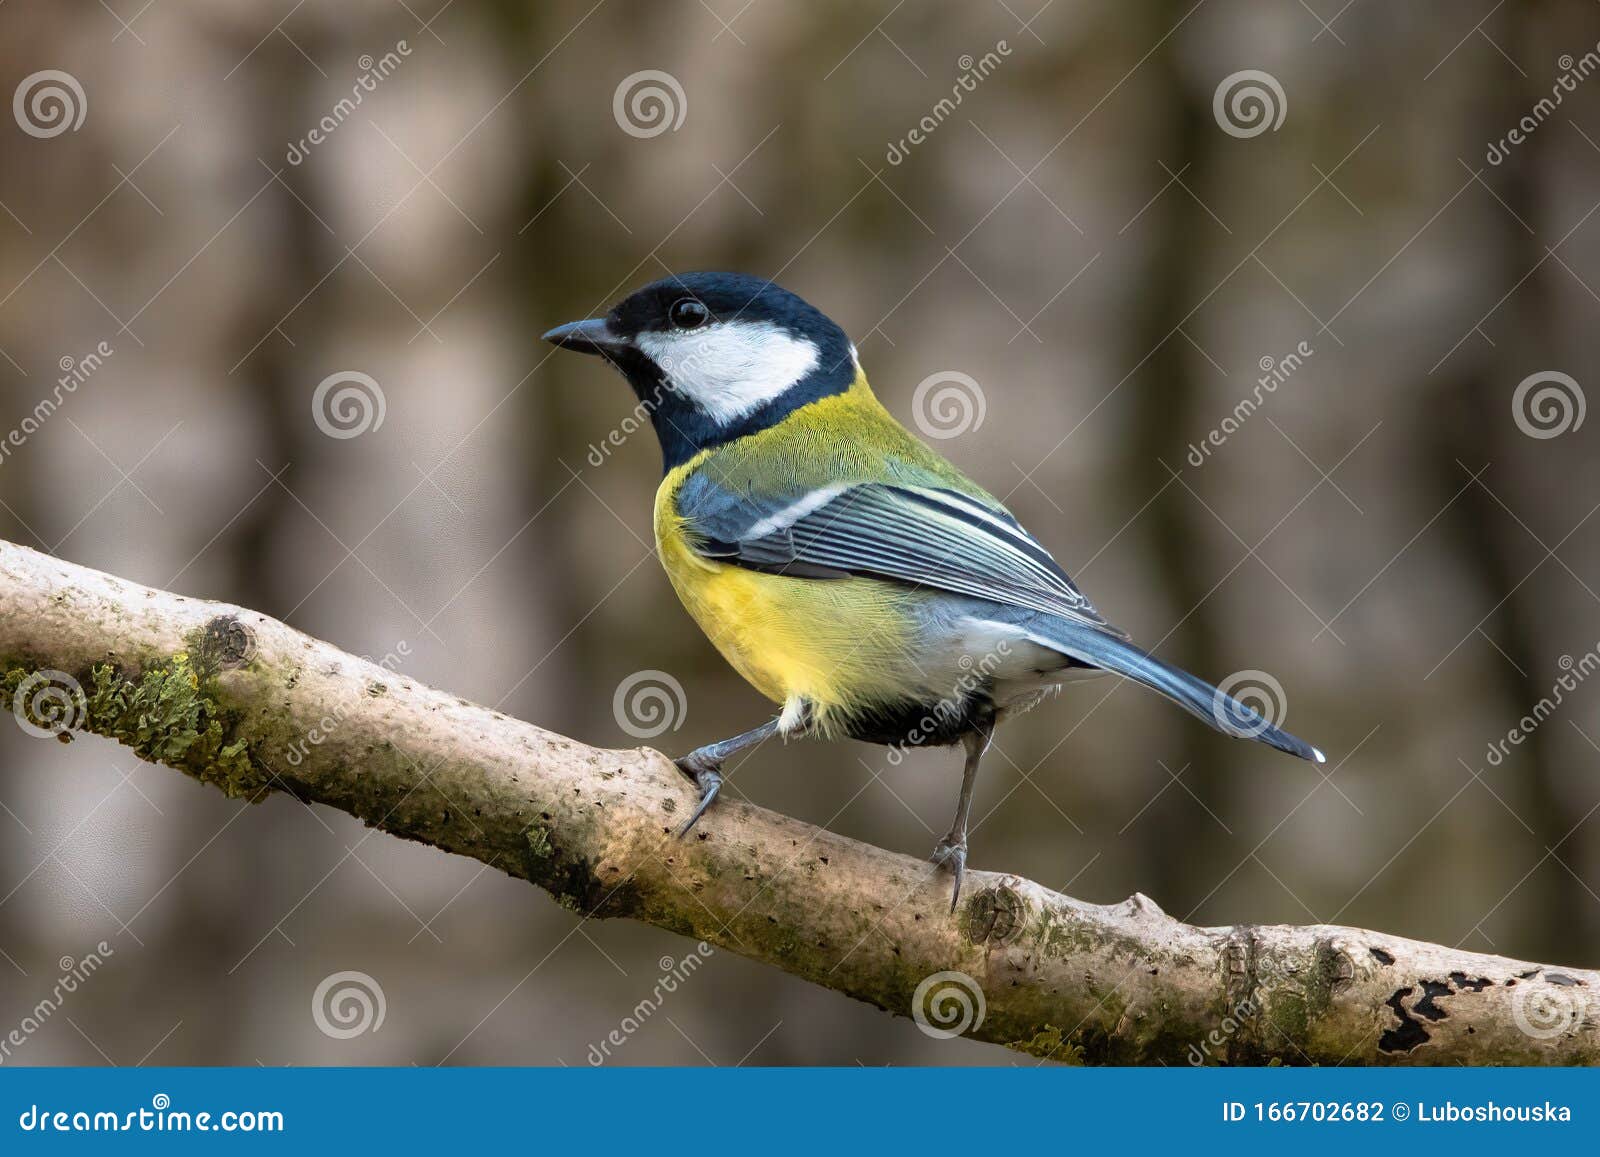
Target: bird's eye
687, 313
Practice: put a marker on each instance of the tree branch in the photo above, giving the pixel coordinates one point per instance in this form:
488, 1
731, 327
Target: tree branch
250, 705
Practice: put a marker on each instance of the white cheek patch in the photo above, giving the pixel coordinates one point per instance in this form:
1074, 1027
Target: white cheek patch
730, 368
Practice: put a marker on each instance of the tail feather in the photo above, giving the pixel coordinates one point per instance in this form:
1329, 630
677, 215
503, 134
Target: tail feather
1207, 703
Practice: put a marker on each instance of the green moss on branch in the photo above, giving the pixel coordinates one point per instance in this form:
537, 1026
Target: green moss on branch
163, 713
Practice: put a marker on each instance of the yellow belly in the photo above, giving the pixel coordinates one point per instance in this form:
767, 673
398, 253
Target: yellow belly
840, 645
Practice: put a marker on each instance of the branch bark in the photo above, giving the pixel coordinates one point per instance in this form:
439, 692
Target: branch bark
241, 701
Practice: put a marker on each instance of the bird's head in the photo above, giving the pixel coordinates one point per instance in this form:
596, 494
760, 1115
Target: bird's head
715, 356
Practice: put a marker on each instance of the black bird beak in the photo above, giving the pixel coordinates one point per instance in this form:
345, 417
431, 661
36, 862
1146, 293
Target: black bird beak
593, 336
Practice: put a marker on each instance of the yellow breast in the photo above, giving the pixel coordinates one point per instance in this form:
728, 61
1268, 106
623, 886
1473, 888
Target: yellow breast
840, 645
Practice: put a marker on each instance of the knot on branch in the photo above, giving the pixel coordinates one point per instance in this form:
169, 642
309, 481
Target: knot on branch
227, 643
997, 915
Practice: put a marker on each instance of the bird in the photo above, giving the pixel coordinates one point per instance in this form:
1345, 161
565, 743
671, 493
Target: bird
852, 575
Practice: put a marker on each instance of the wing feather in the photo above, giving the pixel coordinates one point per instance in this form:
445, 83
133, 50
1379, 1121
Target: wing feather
918, 536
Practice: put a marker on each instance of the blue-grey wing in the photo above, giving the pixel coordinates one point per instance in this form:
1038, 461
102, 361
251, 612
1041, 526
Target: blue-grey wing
919, 536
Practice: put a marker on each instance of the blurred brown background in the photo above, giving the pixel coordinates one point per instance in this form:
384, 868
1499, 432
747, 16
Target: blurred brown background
1082, 235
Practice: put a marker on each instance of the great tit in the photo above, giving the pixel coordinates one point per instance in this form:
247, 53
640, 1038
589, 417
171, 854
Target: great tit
847, 571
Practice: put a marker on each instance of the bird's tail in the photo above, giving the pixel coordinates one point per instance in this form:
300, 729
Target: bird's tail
1210, 704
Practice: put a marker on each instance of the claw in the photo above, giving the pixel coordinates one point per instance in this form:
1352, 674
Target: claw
704, 764
708, 779
949, 851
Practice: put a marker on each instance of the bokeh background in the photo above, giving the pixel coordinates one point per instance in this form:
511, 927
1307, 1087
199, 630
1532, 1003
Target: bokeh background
1402, 541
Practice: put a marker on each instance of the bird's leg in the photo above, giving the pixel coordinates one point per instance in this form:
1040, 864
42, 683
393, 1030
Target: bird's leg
704, 766
952, 849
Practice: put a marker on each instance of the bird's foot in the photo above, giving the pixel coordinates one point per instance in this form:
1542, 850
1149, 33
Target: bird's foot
707, 776
953, 852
